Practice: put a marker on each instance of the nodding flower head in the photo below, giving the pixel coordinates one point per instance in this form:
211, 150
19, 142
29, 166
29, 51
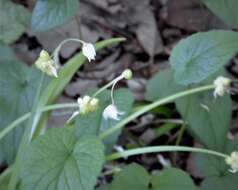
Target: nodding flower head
89, 51
232, 161
87, 104
221, 86
46, 64
111, 112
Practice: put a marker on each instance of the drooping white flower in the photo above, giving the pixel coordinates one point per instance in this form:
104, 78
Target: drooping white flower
232, 161
46, 64
111, 112
221, 86
89, 51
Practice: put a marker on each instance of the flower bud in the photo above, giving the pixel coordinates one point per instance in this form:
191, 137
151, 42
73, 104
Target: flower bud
127, 74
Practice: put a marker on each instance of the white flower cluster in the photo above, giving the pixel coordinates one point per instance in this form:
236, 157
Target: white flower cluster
232, 161
221, 86
85, 105
46, 64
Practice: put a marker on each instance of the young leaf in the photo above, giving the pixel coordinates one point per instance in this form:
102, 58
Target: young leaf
201, 55
49, 14
57, 161
13, 22
226, 10
172, 178
132, 177
18, 85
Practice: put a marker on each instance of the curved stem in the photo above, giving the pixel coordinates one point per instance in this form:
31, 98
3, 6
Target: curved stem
23, 118
113, 86
152, 106
155, 149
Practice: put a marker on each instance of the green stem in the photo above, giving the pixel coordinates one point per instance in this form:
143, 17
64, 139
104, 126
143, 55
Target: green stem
154, 105
103, 88
23, 118
156, 149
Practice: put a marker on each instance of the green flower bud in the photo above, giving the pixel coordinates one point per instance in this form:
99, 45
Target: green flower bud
127, 74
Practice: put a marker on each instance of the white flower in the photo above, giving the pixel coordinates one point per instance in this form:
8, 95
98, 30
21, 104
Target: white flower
232, 161
111, 112
89, 51
221, 86
85, 105
46, 64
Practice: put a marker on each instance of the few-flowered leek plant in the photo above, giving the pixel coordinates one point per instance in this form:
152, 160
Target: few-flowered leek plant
72, 157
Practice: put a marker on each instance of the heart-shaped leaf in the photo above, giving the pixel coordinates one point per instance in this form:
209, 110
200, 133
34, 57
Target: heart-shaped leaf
48, 14
201, 55
57, 161
172, 178
13, 22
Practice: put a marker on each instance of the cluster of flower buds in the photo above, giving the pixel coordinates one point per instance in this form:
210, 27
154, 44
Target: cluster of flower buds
232, 161
221, 86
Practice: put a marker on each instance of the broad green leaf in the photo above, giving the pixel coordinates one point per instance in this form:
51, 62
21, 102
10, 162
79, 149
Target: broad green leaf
226, 10
13, 21
227, 182
172, 178
124, 101
132, 177
49, 14
57, 161
161, 85
201, 55
18, 84
208, 118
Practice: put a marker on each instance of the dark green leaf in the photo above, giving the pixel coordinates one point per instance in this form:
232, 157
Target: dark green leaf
48, 14
208, 118
57, 161
226, 10
13, 22
18, 85
132, 177
200, 55
172, 178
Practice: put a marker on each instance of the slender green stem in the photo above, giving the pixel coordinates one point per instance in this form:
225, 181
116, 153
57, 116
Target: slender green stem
23, 118
180, 134
155, 149
152, 106
103, 88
